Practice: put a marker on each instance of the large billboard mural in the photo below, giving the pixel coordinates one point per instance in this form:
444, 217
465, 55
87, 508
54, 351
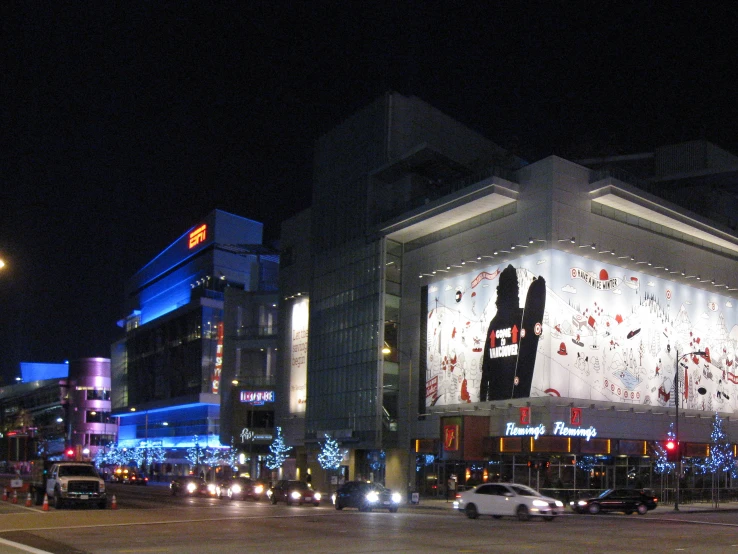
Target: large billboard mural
560, 325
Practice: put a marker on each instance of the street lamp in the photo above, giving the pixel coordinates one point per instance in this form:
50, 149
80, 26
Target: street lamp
676, 403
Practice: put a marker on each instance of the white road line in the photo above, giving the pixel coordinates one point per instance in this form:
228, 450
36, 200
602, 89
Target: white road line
23, 547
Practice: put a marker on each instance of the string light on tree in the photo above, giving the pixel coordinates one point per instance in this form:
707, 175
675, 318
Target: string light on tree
330, 455
278, 450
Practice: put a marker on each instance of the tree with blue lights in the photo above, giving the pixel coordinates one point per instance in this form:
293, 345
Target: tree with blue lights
330, 455
195, 454
721, 453
278, 450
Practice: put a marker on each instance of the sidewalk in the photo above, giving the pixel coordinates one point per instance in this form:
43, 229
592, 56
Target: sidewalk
662, 509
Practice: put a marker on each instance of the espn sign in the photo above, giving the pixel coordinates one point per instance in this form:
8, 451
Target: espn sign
197, 236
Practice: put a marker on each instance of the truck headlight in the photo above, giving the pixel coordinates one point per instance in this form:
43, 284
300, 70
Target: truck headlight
396, 497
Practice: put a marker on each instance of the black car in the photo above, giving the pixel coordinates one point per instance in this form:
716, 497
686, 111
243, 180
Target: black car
293, 492
366, 496
241, 488
188, 485
617, 500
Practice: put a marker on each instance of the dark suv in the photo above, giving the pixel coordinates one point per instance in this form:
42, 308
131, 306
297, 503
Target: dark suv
617, 500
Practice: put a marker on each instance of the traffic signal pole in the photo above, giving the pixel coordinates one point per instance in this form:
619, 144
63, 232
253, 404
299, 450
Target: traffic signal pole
678, 443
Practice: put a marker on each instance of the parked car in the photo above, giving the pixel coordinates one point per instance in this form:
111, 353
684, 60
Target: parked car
293, 492
241, 488
366, 496
507, 499
188, 485
617, 500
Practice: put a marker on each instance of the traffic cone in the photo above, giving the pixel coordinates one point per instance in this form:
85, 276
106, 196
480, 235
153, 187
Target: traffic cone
15, 497
45, 506
5, 494
28, 500
113, 503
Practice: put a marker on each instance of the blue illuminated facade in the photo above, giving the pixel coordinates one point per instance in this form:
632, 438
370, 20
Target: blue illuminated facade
169, 374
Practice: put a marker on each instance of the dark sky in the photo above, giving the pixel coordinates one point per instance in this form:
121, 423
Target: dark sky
124, 123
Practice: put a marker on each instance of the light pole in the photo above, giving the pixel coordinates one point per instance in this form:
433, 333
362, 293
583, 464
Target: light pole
676, 430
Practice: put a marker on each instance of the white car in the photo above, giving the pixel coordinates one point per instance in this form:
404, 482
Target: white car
507, 499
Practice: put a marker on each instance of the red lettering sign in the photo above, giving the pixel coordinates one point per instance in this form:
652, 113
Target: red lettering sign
197, 236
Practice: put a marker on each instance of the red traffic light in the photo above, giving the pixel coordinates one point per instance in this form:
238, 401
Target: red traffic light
670, 445
69, 452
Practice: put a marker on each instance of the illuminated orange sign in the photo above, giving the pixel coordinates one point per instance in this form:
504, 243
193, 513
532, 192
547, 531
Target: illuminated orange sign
198, 235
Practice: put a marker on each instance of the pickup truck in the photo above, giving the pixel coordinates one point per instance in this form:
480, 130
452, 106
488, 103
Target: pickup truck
75, 483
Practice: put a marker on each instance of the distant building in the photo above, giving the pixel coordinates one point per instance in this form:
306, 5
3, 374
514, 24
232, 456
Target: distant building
200, 335
57, 406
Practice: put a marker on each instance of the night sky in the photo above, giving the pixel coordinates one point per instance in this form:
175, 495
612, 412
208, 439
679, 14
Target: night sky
124, 123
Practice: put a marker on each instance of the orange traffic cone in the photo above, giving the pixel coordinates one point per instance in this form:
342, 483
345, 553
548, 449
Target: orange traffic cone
5, 494
113, 503
28, 500
45, 506
15, 497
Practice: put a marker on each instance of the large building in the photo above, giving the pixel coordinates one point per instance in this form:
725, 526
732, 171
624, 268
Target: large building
200, 341
473, 316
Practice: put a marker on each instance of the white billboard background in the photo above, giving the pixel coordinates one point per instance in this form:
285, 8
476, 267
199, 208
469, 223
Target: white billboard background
298, 357
607, 334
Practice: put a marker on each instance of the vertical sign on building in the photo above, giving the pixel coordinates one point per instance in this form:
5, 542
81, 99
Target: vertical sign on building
218, 361
298, 357
575, 416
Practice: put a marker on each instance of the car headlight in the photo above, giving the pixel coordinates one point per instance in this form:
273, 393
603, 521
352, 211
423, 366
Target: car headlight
540, 503
258, 489
296, 495
333, 498
559, 504
372, 497
582, 503
191, 487
317, 496
270, 493
211, 488
396, 497
236, 488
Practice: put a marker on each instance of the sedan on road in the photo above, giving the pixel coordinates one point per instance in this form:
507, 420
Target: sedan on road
188, 485
617, 500
241, 488
293, 492
507, 499
366, 497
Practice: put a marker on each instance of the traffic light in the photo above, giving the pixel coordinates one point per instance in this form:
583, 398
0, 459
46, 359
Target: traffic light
672, 450
69, 452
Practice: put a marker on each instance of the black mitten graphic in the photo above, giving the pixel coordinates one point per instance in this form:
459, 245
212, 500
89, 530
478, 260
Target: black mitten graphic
510, 347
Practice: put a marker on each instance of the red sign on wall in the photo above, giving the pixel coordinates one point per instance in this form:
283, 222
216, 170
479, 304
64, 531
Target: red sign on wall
524, 416
575, 417
197, 236
451, 438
